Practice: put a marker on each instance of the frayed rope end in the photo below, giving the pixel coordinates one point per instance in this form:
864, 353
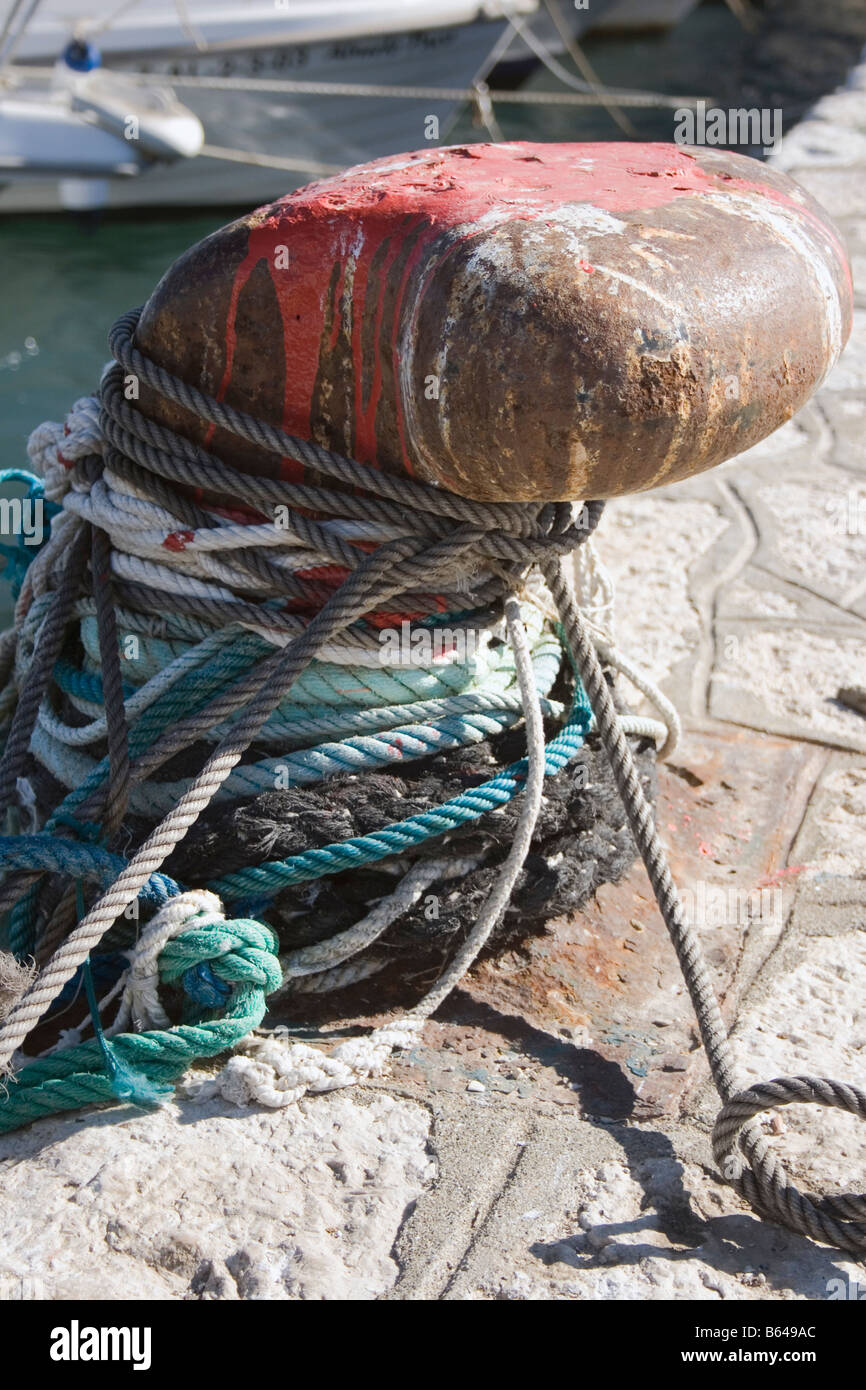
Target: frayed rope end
15, 980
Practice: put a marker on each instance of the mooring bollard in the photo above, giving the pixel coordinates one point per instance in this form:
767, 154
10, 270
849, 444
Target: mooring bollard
515, 322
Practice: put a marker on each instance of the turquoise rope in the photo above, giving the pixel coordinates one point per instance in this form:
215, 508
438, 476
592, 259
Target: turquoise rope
269, 878
84, 684
57, 855
368, 752
240, 953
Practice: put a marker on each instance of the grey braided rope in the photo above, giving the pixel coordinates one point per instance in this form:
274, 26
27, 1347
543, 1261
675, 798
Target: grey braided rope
50, 640
117, 734
502, 516
498, 898
761, 1178
152, 451
114, 804
220, 613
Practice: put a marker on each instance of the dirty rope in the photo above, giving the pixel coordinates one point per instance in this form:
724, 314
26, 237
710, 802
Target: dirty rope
252, 608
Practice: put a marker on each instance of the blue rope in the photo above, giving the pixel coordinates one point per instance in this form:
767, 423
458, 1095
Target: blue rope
19, 557
57, 856
266, 879
86, 685
126, 1082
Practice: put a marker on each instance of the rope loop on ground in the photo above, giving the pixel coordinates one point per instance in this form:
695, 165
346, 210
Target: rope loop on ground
748, 1161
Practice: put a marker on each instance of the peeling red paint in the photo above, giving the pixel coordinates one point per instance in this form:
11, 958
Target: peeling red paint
178, 540
363, 264
313, 224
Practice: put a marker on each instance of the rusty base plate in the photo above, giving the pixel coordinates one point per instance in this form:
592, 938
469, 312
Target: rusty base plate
593, 1014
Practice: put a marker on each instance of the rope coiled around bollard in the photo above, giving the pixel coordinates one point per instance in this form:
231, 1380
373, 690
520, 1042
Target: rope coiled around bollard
428, 540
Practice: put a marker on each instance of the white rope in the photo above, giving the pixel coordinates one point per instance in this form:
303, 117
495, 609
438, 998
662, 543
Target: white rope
276, 1071
352, 972
152, 547
51, 443
140, 1007
324, 955
15, 980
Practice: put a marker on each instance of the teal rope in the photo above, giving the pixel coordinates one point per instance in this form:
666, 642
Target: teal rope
49, 852
264, 880
87, 685
19, 556
240, 953
195, 689
188, 694
367, 752
57, 856
21, 930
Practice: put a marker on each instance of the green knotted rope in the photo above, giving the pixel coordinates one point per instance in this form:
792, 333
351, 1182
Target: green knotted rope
240, 953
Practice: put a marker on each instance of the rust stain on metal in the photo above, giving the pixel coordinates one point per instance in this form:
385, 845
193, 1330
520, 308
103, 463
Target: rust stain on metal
514, 322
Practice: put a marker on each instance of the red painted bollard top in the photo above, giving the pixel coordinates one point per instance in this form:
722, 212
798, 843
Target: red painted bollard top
517, 321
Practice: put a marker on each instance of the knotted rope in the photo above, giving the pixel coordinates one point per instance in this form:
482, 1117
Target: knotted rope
350, 557
240, 954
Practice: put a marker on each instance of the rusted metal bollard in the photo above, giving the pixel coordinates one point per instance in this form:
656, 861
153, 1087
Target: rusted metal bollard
515, 322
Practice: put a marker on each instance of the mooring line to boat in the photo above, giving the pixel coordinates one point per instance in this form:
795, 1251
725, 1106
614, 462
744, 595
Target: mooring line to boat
231, 965
384, 91
582, 63
259, 159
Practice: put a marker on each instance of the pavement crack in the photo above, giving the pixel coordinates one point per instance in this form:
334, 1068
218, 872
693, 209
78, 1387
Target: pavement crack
706, 602
479, 1227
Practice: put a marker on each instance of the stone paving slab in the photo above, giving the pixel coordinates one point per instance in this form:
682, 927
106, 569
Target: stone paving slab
204, 1202
592, 1212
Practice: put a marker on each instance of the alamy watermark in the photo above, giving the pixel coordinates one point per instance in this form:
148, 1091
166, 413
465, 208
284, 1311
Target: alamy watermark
848, 513
427, 646
846, 1290
21, 1288
713, 125
77, 1343
24, 517
712, 905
